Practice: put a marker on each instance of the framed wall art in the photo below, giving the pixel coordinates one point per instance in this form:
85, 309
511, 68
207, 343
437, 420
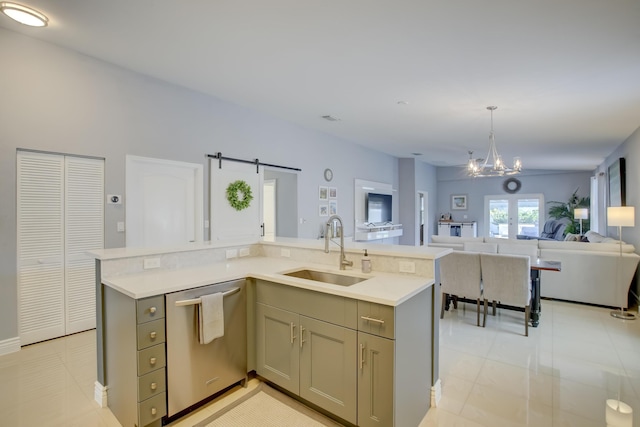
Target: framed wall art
458, 202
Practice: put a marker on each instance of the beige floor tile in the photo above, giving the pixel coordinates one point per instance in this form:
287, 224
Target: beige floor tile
502, 409
461, 365
455, 392
437, 417
517, 381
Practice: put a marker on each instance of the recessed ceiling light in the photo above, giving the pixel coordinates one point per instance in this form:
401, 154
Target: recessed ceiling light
24, 15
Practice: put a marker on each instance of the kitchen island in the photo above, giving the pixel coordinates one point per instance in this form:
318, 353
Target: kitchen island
408, 332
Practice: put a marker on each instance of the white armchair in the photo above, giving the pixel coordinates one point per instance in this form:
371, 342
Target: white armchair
460, 276
506, 279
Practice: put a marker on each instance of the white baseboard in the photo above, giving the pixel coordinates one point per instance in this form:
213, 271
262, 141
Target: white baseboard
436, 394
10, 345
100, 394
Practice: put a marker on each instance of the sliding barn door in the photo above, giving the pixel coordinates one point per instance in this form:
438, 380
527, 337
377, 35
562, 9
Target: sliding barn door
60, 212
228, 223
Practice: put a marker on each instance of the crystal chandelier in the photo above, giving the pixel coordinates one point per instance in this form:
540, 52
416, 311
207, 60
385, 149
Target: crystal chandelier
497, 168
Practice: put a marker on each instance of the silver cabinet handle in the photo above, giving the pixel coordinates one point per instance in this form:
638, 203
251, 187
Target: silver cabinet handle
152, 361
371, 319
292, 329
154, 386
152, 310
301, 336
154, 411
153, 335
361, 355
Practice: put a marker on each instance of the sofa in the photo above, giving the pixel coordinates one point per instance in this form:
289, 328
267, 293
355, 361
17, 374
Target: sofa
593, 273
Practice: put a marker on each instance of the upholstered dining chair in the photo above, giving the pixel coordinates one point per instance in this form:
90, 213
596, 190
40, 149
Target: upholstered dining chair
506, 279
460, 277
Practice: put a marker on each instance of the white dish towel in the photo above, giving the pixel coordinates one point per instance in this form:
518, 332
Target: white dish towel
210, 317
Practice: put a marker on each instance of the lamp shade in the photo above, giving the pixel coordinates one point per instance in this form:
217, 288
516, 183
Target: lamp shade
581, 213
623, 216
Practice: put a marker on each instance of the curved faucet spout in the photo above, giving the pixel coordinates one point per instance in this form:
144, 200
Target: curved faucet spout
343, 259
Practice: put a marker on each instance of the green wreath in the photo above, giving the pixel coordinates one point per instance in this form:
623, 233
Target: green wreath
239, 195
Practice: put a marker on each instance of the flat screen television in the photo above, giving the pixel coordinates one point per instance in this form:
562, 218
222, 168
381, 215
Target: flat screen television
378, 208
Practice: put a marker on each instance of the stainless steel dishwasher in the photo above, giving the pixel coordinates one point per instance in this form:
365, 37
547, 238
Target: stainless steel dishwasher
196, 371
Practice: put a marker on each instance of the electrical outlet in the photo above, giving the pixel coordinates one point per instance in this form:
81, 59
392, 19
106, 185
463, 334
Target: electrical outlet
151, 263
407, 267
285, 253
244, 252
120, 226
232, 253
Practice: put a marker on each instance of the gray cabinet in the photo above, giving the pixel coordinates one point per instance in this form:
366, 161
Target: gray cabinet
375, 380
135, 358
368, 363
303, 346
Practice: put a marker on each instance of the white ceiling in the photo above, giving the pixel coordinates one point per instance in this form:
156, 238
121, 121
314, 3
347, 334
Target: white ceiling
565, 74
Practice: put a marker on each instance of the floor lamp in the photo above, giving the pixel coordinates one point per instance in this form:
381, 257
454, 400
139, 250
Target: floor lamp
581, 213
621, 216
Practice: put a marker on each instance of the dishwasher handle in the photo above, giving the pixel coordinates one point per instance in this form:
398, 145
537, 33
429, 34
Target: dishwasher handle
198, 300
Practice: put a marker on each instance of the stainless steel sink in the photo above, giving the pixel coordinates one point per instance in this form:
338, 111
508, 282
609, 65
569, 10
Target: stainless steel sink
325, 277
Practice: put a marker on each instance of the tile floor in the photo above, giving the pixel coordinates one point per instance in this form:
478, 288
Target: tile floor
560, 375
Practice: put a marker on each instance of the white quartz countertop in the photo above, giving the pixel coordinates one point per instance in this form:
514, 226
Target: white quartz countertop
383, 288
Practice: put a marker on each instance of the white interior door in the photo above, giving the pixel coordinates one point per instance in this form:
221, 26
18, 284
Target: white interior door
269, 208
164, 202
228, 223
84, 231
40, 204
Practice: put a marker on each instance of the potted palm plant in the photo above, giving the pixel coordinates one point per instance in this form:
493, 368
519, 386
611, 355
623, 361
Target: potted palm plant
559, 210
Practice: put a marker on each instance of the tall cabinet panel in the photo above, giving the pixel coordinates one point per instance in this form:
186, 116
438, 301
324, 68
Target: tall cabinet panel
60, 212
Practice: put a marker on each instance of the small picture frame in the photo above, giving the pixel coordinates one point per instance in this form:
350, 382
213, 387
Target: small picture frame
333, 193
458, 202
333, 207
323, 210
323, 193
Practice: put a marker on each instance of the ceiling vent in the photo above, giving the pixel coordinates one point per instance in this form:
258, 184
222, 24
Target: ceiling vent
331, 118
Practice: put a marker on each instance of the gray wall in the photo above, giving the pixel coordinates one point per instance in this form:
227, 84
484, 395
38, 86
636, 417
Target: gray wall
286, 202
60, 101
555, 185
414, 177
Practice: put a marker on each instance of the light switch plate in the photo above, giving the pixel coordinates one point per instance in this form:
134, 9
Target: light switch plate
244, 252
232, 253
120, 226
285, 253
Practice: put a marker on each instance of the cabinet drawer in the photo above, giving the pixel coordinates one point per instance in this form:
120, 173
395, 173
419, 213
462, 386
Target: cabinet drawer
151, 333
376, 319
151, 384
151, 358
317, 305
148, 309
152, 409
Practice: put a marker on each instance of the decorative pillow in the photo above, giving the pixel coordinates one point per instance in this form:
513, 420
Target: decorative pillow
570, 237
594, 237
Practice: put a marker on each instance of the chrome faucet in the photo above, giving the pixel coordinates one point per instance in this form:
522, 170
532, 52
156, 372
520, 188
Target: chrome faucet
343, 259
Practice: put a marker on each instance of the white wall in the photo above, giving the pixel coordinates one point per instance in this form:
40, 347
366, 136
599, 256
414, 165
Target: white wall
57, 100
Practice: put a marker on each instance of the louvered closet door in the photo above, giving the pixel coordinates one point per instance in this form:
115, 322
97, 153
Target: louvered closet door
40, 239
60, 217
84, 231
